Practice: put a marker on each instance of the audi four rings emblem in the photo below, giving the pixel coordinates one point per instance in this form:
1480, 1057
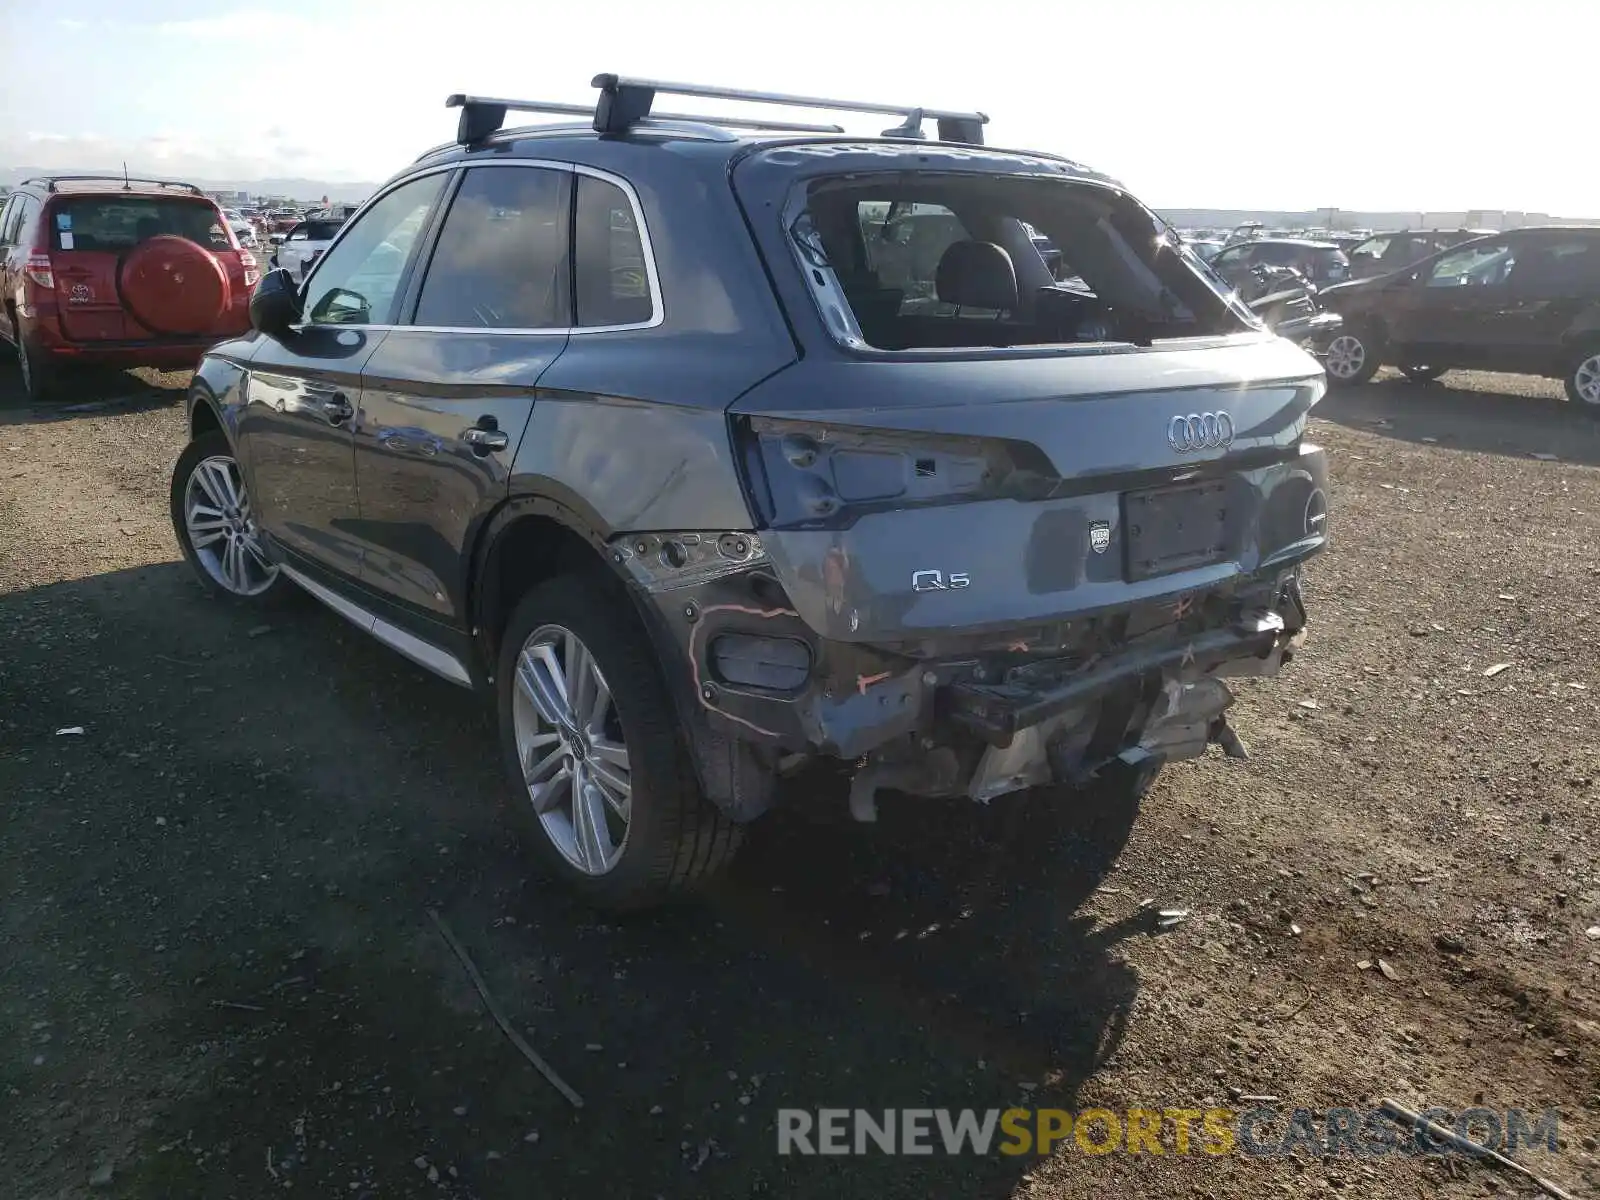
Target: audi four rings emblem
1200, 431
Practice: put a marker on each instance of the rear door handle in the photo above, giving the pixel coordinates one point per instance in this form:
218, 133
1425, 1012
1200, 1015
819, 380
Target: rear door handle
337, 409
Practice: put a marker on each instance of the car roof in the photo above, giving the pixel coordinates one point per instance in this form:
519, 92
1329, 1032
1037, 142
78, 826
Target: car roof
724, 147
99, 184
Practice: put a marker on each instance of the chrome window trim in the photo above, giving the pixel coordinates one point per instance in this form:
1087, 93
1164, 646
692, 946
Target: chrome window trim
658, 313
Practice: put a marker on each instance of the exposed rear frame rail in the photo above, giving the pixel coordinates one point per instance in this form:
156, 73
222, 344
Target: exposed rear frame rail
627, 103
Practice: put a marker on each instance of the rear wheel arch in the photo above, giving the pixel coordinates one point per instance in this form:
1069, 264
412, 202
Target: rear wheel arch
528, 540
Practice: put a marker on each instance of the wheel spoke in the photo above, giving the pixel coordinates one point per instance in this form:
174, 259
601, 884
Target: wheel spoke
580, 674
204, 533
539, 677
254, 551
214, 481
551, 794
611, 752
589, 834
614, 785
538, 770
594, 716
230, 565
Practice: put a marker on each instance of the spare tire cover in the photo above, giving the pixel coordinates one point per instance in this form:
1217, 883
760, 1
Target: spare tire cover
172, 285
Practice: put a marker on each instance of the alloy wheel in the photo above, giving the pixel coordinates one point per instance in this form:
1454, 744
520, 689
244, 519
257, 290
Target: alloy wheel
222, 529
1586, 380
570, 746
1346, 356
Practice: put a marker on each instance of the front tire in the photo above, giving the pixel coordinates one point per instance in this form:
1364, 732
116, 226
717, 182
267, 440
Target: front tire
600, 783
1583, 379
1354, 357
215, 526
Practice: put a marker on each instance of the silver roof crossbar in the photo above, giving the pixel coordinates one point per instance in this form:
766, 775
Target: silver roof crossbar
483, 115
626, 102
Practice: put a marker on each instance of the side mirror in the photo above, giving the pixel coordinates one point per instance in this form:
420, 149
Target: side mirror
275, 304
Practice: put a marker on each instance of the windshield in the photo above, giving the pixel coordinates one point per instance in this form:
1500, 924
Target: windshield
930, 260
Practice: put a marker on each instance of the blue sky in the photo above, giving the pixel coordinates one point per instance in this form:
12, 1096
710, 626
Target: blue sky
1410, 104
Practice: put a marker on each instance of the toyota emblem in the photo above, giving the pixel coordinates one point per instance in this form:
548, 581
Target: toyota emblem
1200, 431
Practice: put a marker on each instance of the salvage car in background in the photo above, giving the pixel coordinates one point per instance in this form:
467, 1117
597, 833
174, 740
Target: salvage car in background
1527, 301
116, 272
1322, 263
665, 445
304, 244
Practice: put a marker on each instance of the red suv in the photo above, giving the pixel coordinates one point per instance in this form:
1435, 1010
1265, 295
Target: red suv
117, 272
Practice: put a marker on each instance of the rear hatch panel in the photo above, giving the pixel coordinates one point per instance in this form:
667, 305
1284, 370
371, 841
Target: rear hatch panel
91, 233
973, 496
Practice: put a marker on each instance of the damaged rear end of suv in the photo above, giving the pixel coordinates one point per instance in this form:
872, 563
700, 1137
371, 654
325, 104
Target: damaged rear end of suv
1014, 526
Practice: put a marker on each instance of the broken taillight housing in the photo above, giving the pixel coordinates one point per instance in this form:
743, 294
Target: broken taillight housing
810, 475
38, 271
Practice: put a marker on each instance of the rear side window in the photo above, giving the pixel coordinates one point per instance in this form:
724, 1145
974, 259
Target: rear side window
112, 224
611, 276
502, 257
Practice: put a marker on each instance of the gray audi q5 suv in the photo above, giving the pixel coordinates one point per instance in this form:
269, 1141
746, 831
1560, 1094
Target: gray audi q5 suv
711, 447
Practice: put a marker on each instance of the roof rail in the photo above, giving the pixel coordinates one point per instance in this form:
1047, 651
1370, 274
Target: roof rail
48, 182
627, 103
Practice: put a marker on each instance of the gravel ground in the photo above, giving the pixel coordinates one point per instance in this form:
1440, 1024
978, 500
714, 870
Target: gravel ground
219, 977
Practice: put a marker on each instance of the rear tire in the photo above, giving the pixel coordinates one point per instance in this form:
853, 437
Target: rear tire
1583, 379
1422, 374
1354, 356
40, 376
621, 845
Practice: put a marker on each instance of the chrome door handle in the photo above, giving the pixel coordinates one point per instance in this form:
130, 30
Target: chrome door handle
485, 441
337, 409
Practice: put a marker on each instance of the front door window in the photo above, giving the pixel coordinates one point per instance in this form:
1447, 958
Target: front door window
356, 281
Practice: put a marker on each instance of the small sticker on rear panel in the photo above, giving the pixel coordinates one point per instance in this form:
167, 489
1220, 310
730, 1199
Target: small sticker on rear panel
63, 220
66, 241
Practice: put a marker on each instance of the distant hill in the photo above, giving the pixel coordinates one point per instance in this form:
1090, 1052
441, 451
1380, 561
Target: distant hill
297, 188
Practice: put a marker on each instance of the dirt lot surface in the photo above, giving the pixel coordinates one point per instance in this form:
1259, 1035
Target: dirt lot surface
219, 977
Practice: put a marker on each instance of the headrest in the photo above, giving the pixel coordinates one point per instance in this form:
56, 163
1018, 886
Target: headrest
977, 275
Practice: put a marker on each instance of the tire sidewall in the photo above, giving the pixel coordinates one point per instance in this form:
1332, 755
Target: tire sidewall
657, 763
207, 445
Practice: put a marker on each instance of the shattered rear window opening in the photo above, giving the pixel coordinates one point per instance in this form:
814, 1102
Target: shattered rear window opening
925, 260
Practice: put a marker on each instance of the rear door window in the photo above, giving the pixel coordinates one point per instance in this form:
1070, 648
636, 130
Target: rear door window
113, 224
502, 259
1559, 268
